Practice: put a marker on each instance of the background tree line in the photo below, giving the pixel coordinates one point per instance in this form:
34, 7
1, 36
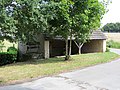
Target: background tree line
111, 27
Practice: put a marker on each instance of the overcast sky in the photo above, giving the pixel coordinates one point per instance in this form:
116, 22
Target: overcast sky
113, 15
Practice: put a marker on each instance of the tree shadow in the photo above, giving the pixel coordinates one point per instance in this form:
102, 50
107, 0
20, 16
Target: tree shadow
38, 61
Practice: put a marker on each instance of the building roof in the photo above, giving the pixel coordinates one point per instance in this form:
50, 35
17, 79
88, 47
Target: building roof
98, 35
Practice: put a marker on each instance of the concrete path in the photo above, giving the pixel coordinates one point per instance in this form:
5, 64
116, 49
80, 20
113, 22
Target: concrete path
99, 77
115, 50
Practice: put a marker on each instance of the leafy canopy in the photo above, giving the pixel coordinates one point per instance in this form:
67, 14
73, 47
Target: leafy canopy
23, 19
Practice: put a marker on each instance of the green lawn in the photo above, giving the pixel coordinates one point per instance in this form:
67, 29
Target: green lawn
113, 44
27, 70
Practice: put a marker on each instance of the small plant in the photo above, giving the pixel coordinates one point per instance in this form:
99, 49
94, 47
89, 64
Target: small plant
12, 49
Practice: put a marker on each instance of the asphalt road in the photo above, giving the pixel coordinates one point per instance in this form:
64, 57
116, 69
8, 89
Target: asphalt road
115, 50
99, 77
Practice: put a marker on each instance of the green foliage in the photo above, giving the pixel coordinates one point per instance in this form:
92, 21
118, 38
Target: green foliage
7, 58
77, 18
87, 19
59, 24
107, 49
113, 44
12, 50
109, 43
24, 19
111, 27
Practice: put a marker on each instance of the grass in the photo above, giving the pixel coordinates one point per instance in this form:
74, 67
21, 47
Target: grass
113, 44
32, 69
113, 40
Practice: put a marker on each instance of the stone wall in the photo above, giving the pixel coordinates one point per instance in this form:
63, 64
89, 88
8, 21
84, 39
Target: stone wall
23, 48
94, 46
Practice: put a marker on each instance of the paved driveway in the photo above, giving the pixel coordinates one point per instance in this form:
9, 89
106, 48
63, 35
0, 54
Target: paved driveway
115, 50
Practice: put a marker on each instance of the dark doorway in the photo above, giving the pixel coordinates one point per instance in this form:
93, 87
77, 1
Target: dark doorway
57, 48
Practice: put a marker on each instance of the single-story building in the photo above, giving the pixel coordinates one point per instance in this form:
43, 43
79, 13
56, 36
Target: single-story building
56, 47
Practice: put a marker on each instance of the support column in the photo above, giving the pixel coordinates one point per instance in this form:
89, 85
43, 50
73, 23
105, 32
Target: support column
104, 45
46, 43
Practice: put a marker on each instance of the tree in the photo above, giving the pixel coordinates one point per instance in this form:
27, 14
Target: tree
6, 21
87, 20
60, 24
80, 22
111, 27
83, 21
23, 19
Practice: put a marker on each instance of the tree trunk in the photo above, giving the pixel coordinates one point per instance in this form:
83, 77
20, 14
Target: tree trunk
79, 46
70, 48
79, 50
66, 54
19, 54
66, 47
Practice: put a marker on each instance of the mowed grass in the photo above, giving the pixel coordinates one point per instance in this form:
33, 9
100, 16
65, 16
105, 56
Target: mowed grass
113, 40
26, 70
113, 44
116, 45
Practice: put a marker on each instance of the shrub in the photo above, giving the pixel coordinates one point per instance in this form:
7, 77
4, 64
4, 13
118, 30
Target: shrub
107, 49
7, 58
12, 50
109, 43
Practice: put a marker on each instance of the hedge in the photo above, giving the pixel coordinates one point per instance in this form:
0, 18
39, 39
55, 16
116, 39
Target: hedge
7, 58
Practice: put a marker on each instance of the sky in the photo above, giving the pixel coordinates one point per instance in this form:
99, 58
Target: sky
113, 15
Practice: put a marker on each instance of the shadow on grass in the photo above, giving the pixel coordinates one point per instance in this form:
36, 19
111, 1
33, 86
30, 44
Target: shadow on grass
38, 61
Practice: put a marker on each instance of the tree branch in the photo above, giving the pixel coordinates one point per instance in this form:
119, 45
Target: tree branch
76, 44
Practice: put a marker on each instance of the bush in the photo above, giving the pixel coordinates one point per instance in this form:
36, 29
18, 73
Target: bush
12, 50
107, 49
109, 43
7, 58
